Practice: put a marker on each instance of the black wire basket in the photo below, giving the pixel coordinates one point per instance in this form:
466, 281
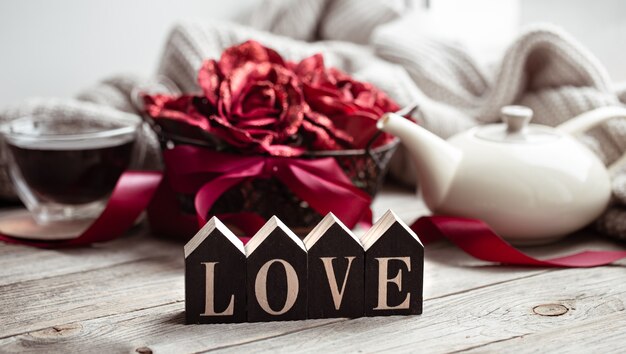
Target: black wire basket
366, 168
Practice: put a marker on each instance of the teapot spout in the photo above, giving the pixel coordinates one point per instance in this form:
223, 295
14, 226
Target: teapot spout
436, 161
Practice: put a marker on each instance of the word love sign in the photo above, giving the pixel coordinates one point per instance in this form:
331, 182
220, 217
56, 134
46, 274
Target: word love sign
277, 276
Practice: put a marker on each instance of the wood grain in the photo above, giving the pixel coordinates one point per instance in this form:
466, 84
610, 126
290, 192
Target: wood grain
21, 263
465, 320
127, 294
37, 304
601, 335
474, 318
160, 329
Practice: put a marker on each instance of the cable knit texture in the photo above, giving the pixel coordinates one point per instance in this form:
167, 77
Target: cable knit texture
544, 69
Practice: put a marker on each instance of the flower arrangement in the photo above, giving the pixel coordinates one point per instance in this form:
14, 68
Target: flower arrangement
255, 102
265, 136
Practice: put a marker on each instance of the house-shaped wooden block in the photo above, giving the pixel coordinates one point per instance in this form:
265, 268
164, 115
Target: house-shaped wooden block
394, 268
276, 269
215, 276
335, 270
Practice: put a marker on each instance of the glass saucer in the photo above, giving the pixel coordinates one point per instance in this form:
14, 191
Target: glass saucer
20, 223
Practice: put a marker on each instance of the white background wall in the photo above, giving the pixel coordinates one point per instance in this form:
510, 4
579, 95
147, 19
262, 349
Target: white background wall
600, 25
57, 47
474, 23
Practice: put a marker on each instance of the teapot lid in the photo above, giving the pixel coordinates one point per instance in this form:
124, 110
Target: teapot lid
516, 128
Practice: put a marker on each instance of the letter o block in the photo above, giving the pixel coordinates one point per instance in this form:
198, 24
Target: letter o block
276, 266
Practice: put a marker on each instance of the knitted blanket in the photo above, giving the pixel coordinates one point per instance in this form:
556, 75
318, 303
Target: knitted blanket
544, 69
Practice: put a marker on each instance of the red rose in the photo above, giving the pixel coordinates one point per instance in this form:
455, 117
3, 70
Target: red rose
255, 106
256, 102
353, 106
253, 102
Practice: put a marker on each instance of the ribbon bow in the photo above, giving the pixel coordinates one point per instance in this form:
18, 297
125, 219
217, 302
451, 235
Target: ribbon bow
319, 182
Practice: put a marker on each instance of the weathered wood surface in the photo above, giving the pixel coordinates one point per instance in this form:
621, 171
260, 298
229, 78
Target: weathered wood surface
127, 296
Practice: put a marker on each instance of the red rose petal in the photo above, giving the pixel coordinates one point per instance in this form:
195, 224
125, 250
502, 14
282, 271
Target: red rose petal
250, 51
308, 68
318, 137
178, 109
209, 79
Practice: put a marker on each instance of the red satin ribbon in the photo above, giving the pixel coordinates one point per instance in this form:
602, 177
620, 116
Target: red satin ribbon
319, 182
478, 240
130, 197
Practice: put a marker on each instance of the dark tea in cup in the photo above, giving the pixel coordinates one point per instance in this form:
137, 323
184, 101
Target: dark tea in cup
76, 175
64, 168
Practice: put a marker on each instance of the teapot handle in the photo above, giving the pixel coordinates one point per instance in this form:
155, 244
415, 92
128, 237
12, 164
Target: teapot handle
592, 118
587, 120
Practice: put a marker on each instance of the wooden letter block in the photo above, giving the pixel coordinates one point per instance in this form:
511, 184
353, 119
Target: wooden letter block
335, 270
215, 276
394, 268
277, 280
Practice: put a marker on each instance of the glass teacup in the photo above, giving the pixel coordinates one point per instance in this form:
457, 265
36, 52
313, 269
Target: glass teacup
64, 168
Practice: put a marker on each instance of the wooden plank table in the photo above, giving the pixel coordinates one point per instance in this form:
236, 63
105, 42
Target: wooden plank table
127, 296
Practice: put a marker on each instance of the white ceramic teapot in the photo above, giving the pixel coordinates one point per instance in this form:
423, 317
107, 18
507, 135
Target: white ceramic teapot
531, 183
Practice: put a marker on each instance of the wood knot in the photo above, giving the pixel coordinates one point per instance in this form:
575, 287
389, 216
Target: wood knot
65, 330
143, 350
550, 310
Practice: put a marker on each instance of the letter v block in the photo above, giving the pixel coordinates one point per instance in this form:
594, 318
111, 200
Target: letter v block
215, 276
276, 274
394, 268
335, 270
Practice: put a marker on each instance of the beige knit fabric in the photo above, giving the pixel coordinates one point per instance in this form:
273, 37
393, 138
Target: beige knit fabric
543, 68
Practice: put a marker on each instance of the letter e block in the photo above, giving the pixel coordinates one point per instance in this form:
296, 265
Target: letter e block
394, 268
